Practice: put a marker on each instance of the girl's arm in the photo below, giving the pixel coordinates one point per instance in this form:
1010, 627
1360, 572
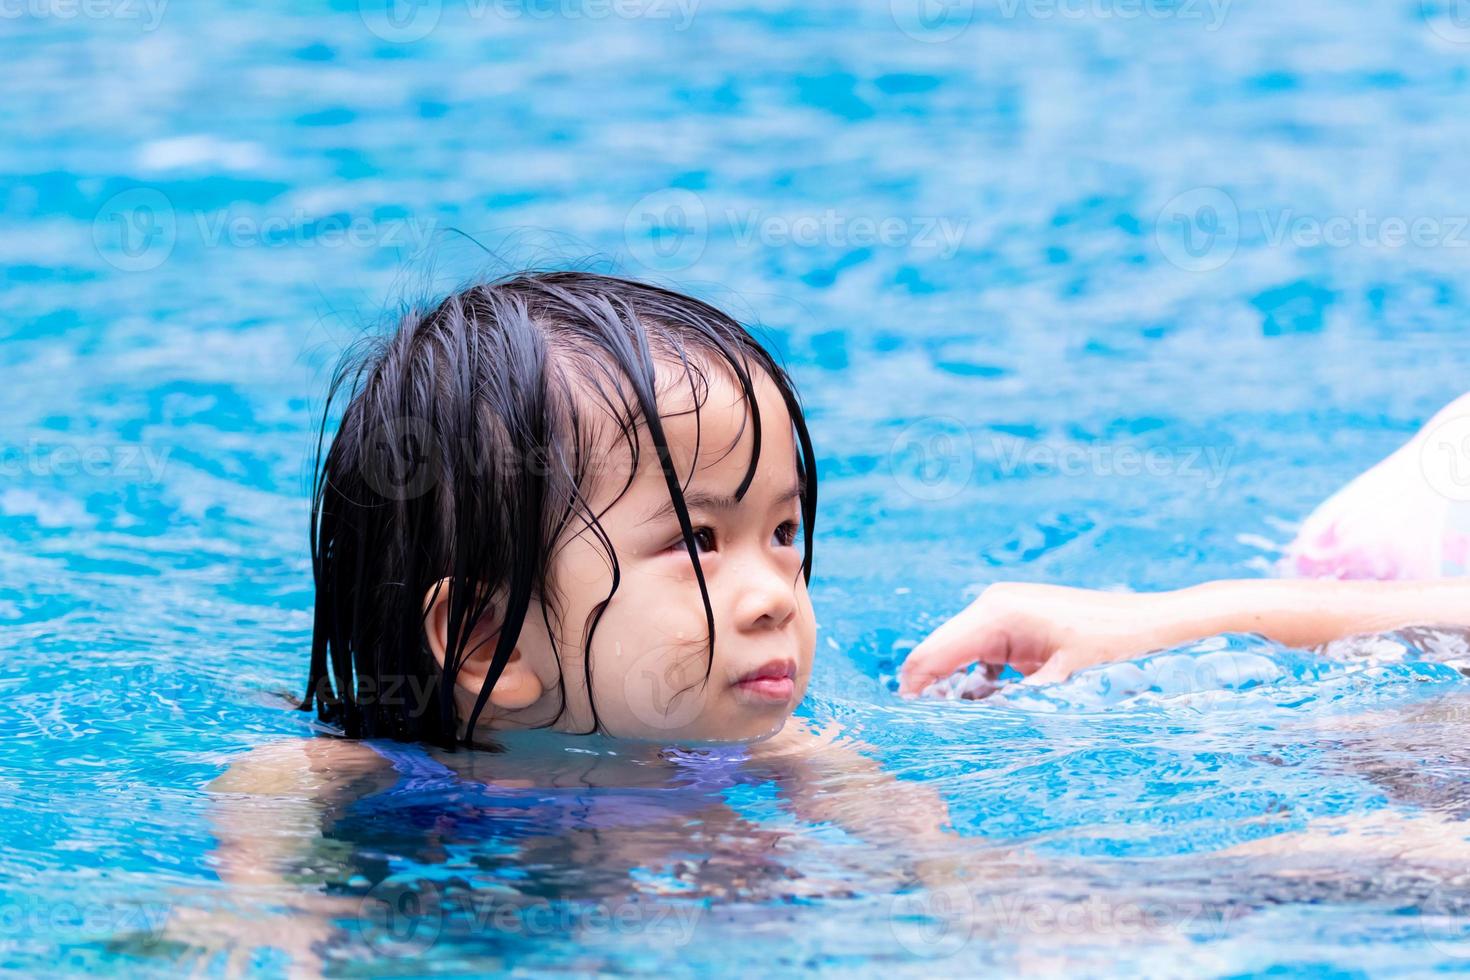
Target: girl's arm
828, 779
268, 807
266, 813
1048, 632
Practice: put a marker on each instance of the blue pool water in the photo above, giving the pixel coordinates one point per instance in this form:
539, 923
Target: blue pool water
1011, 251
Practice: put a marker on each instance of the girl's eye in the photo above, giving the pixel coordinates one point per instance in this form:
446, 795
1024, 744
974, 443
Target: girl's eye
785, 535
704, 540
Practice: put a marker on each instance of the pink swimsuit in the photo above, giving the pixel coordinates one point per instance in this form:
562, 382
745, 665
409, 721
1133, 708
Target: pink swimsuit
1406, 518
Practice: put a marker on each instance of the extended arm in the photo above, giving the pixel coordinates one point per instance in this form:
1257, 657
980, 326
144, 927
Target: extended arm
1048, 632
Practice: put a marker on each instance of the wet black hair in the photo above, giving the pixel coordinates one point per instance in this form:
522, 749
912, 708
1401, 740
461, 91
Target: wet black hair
464, 451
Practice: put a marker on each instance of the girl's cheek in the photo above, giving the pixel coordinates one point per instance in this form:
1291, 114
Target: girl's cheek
652, 616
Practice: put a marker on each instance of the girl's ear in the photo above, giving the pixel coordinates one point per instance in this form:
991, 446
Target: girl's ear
517, 687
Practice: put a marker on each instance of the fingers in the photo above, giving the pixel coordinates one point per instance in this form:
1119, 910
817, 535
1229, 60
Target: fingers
952, 647
1054, 671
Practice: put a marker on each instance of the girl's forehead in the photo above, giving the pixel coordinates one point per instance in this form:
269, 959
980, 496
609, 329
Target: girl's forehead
709, 430
723, 426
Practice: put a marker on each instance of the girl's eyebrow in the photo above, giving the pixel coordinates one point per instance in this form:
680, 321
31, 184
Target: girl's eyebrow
704, 500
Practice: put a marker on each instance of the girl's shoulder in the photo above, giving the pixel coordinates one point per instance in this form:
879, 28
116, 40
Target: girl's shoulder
299, 766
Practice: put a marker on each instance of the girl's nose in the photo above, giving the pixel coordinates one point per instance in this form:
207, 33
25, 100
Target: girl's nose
767, 600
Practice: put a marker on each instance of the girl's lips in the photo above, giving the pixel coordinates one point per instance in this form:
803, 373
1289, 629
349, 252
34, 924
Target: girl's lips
774, 682
774, 689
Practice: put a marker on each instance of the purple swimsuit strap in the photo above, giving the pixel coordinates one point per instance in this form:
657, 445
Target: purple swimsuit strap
419, 772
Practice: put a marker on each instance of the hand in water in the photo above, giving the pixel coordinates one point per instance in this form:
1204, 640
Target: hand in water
1044, 631
1048, 632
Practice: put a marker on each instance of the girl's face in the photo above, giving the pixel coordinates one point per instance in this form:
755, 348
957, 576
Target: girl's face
652, 677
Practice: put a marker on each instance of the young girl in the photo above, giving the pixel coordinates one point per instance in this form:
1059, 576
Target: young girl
571, 502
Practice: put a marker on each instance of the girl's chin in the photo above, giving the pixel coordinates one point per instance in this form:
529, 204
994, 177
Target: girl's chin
750, 735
